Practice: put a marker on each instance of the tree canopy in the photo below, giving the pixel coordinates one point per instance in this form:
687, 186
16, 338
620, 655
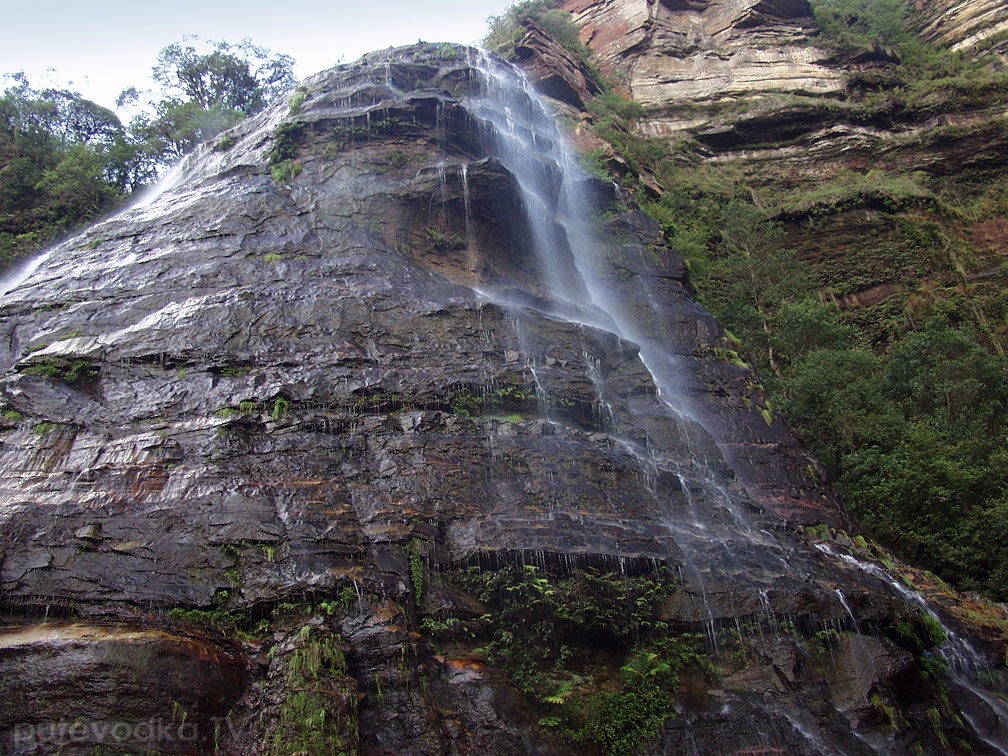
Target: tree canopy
63, 161
200, 94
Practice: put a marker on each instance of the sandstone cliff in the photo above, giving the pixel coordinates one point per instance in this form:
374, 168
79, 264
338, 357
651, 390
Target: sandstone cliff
972, 26
667, 53
749, 90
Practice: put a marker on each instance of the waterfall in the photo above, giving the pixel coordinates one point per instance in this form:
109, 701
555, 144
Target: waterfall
642, 433
524, 133
518, 128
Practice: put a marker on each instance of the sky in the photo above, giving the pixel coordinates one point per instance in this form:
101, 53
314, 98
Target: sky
100, 47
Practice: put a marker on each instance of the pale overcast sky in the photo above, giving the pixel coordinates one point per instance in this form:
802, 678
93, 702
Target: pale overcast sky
99, 47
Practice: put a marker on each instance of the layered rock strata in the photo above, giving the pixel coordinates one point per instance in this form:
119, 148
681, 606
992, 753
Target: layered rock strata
267, 431
668, 53
971, 26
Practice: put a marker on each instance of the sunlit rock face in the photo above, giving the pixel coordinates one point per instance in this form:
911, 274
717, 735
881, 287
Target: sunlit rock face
265, 423
974, 27
675, 51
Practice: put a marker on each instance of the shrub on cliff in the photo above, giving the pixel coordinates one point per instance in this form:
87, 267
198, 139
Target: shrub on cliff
507, 31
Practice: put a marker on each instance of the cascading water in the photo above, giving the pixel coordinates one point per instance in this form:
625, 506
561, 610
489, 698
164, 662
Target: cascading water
565, 239
14, 278
969, 672
520, 130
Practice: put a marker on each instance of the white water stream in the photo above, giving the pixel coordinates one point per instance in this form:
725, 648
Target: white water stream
969, 672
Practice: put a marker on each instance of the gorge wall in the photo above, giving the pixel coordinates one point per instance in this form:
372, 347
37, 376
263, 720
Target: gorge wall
751, 91
309, 452
668, 53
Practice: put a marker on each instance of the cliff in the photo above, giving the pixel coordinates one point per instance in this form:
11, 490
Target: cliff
668, 53
752, 92
971, 26
342, 442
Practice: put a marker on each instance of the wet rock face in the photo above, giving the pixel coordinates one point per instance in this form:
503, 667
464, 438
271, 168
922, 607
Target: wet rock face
109, 686
264, 437
301, 363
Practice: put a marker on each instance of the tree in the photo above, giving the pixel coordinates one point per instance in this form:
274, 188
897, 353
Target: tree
63, 161
839, 406
75, 189
242, 77
917, 445
203, 93
803, 326
944, 373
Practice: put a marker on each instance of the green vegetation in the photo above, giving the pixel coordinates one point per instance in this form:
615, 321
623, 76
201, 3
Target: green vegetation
416, 568
280, 408
297, 99
446, 52
916, 441
73, 373
928, 79
465, 404
65, 160
886, 711
319, 714
286, 138
283, 164
442, 241
284, 173
231, 623
225, 143
905, 413
508, 30
394, 160
854, 25
46, 427
590, 649
203, 88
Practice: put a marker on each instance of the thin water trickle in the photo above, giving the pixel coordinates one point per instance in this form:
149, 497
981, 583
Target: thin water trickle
957, 651
969, 672
464, 175
843, 602
14, 278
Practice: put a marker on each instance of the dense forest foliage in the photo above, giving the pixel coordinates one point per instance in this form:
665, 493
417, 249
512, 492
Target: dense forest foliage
65, 160
905, 406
